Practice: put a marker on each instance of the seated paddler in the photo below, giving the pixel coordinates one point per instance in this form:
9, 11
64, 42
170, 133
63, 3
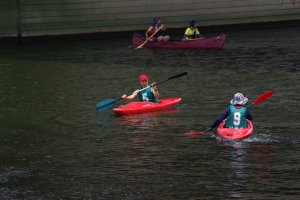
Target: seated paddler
192, 32
235, 114
155, 31
148, 94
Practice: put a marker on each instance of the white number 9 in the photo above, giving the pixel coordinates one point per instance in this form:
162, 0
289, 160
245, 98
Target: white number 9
237, 118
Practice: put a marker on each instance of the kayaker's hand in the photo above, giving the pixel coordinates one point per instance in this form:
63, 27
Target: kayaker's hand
135, 92
124, 96
154, 86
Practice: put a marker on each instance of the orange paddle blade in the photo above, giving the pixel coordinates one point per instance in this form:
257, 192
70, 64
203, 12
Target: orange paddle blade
193, 133
262, 97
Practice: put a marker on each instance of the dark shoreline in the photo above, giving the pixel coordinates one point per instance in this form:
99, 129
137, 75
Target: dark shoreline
128, 34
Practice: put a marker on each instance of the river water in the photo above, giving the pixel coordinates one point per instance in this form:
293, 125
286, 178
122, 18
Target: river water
55, 145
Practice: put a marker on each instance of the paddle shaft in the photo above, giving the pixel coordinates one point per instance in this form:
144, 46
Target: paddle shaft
170, 78
207, 130
149, 38
250, 105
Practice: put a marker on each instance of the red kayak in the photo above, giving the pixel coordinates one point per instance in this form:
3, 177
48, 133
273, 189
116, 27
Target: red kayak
144, 107
235, 134
216, 42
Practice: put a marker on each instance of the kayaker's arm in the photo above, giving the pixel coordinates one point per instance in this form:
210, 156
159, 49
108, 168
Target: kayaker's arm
147, 32
222, 117
154, 90
155, 93
130, 96
248, 115
200, 36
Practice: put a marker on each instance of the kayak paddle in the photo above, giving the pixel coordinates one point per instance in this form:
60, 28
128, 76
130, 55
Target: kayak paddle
194, 133
259, 99
107, 103
148, 38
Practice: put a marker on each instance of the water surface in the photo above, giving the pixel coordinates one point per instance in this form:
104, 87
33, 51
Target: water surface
55, 145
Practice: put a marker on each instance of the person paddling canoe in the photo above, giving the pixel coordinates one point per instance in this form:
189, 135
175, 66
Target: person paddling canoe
192, 31
236, 114
153, 28
149, 94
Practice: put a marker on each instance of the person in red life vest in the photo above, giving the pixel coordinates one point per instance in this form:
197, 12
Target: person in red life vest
236, 114
150, 94
153, 28
192, 31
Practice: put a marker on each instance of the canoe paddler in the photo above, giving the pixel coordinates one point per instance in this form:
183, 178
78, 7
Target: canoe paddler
192, 32
236, 114
149, 94
153, 28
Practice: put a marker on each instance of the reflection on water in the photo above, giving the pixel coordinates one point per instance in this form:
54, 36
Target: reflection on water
246, 161
151, 119
105, 119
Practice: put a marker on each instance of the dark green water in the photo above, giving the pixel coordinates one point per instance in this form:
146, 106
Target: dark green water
55, 145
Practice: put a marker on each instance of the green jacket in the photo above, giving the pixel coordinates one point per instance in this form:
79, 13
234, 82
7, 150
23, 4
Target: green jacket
236, 118
147, 95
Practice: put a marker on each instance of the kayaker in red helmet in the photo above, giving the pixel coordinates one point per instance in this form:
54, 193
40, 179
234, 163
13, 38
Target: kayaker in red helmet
192, 31
236, 114
149, 94
153, 28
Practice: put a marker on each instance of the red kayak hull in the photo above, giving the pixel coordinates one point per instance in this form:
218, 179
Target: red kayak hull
235, 134
216, 42
144, 107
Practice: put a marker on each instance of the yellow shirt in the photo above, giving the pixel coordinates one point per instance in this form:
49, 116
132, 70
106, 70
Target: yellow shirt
190, 32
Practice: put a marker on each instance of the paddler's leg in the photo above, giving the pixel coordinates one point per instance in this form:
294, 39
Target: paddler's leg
166, 38
160, 38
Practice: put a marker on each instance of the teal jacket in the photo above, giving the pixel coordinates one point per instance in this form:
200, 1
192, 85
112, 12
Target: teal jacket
226, 113
147, 95
236, 118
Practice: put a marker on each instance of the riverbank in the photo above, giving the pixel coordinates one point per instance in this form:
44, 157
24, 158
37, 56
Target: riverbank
45, 21
177, 32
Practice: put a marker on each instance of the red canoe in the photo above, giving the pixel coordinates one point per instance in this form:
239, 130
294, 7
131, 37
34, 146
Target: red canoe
144, 107
235, 134
216, 42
